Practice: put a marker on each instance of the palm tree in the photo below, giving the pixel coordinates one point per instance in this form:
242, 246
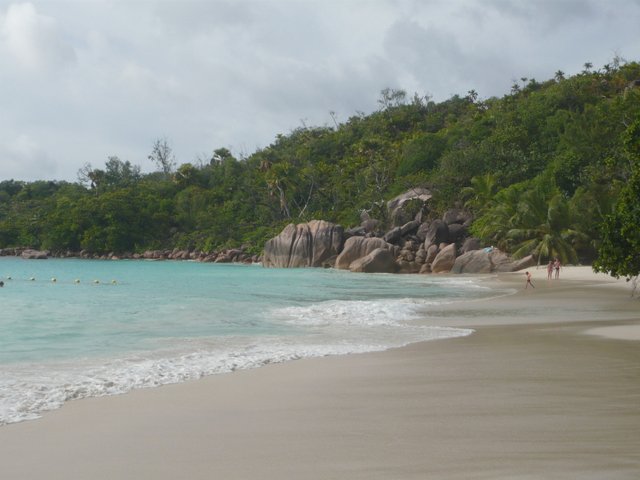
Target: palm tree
544, 227
481, 192
536, 221
497, 220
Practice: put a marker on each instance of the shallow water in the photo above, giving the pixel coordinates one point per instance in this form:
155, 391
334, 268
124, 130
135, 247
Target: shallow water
77, 328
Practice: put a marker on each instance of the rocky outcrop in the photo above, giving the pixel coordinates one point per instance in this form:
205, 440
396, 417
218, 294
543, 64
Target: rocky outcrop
313, 244
34, 254
379, 260
419, 245
356, 248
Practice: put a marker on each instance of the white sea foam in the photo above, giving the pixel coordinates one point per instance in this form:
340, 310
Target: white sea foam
28, 391
337, 328
369, 313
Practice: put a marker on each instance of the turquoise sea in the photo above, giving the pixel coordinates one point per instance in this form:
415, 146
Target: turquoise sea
78, 328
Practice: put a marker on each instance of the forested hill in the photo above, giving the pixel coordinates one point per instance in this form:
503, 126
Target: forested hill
539, 168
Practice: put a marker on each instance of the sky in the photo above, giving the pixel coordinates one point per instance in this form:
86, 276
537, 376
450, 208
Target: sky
81, 81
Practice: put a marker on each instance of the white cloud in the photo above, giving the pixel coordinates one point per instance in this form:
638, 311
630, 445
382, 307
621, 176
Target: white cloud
33, 39
235, 73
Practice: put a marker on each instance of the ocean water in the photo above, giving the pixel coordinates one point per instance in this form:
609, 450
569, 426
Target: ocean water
106, 327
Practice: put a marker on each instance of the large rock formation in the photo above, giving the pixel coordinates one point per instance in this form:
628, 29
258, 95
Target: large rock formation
313, 244
420, 244
358, 247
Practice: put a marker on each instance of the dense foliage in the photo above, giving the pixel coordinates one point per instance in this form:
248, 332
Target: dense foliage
620, 248
541, 168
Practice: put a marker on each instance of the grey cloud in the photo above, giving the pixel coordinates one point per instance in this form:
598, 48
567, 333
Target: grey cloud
34, 40
22, 158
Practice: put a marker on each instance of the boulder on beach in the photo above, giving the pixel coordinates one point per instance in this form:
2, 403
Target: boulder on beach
379, 260
445, 259
489, 260
311, 244
475, 261
356, 248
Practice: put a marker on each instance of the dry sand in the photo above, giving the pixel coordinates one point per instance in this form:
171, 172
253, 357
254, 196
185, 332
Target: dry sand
528, 396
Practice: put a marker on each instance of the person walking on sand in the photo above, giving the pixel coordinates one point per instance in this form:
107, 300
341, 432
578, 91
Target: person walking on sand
529, 282
550, 270
556, 267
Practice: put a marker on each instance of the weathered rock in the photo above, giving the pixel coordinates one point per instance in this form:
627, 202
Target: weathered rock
411, 245
456, 232
235, 254
475, 261
304, 245
355, 232
358, 247
445, 259
396, 205
470, 244
425, 268
489, 260
370, 225
437, 233
409, 228
407, 255
405, 266
393, 235
421, 233
511, 265
501, 261
30, 254
457, 215
432, 252
526, 262
379, 260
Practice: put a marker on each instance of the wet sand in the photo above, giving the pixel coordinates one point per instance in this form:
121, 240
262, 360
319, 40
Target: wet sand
530, 395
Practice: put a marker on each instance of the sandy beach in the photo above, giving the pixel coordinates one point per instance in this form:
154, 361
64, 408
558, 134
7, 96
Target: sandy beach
548, 387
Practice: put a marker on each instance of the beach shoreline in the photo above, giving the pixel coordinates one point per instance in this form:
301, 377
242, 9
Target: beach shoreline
546, 387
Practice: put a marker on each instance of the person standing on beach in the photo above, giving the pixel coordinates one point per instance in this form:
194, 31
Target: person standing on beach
550, 270
556, 266
529, 282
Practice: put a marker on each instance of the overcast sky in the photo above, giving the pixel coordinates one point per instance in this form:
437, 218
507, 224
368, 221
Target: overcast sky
84, 80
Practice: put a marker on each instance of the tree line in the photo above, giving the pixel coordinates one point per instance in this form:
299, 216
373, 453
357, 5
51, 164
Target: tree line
550, 168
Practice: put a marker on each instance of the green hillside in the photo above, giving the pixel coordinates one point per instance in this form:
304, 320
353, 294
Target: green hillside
540, 168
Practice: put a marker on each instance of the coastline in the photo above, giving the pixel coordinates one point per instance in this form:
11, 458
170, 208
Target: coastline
542, 389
